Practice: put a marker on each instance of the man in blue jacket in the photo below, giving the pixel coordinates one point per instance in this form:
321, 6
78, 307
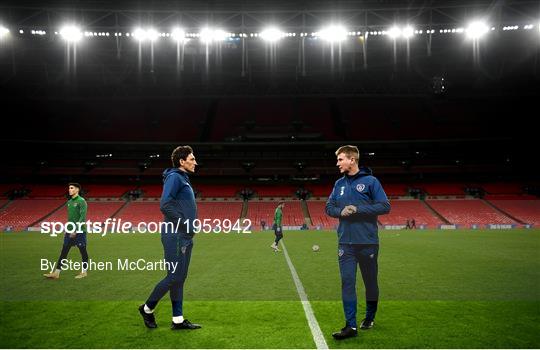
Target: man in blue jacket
179, 209
357, 199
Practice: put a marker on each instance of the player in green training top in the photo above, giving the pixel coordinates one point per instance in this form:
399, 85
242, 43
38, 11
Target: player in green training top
77, 208
278, 229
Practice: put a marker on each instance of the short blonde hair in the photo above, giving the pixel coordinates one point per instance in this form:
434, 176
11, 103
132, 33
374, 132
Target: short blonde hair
350, 151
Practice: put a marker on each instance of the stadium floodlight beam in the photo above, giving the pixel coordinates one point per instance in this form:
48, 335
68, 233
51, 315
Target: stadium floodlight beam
394, 32
145, 34
407, 32
209, 35
272, 34
477, 29
71, 34
334, 33
179, 34
3, 32
139, 34
152, 34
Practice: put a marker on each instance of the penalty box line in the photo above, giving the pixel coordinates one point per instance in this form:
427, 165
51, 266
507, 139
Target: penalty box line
316, 332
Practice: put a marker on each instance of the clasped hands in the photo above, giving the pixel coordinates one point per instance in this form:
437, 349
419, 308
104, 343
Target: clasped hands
348, 210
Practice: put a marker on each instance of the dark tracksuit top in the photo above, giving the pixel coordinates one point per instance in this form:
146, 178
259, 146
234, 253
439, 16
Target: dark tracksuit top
365, 192
358, 237
177, 205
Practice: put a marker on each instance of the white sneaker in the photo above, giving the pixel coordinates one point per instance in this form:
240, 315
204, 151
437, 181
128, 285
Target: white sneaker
81, 275
53, 275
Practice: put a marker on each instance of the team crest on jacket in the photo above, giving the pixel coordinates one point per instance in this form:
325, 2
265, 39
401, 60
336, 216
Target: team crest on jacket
340, 252
360, 187
183, 249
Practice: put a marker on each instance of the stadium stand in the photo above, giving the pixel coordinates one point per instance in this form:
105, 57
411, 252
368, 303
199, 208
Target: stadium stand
5, 188
48, 191
146, 211
219, 210
23, 212
98, 211
528, 211
320, 190
318, 215
392, 189
442, 189
274, 191
207, 191
264, 211
469, 212
152, 190
402, 210
141, 211
502, 188
104, 191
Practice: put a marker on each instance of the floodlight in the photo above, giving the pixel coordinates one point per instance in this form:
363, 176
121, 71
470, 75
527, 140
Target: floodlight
407, 32
152, 34
477, 29
394, 32
179, 34
333, 33
208, 35
3, 32
71, 34
139, 34
272, 34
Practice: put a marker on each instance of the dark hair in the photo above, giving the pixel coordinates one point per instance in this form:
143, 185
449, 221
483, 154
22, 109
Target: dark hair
180, 152
75, 184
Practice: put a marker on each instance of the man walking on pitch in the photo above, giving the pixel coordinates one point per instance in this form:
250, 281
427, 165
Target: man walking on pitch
278, 229
77, 209
179, 209
357, 199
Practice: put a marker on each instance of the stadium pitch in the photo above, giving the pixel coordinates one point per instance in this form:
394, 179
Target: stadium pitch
439, 289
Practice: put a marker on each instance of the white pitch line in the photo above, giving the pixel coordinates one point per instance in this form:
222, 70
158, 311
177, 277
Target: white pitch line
318, 337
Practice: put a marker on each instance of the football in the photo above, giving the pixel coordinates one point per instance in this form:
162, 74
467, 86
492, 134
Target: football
315, 248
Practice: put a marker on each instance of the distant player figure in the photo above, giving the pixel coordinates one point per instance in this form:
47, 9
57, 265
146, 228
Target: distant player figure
413, 224
77, 208
278, 229
408, 224
178, 206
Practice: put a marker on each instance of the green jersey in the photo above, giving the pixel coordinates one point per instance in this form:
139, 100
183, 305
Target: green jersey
277, 216
77, 210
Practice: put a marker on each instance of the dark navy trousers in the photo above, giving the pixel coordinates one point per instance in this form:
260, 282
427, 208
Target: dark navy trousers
177, 249
365, 256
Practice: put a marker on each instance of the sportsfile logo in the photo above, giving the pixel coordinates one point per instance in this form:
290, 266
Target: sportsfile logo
119, 226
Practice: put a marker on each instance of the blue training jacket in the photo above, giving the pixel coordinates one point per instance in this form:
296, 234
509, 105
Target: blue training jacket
365, 192
178, 201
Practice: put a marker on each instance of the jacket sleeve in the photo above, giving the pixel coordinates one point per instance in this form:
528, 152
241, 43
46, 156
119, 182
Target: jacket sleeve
83, 208
332, 207
378, 205
169, 205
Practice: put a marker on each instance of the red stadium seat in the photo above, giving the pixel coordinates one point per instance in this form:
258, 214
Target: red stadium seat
319, 217
23, 212
468, 212
403, 210
527, 211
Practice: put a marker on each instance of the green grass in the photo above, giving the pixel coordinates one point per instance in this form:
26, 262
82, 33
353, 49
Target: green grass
439, 289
